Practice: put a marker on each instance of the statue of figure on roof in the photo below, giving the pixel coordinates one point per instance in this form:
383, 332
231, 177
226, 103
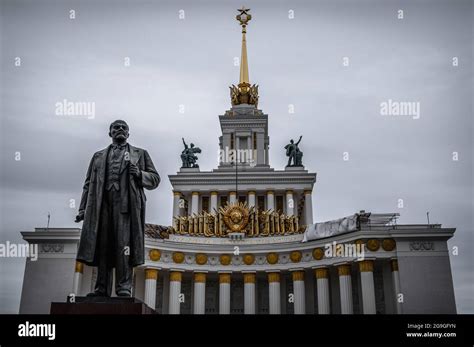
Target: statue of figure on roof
188, 155
294, 154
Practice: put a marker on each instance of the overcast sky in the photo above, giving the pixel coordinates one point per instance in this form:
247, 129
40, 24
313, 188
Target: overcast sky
190, 62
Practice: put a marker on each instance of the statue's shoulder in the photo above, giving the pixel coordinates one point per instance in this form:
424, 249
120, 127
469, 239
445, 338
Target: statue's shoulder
139, 152
100, 152
136, 149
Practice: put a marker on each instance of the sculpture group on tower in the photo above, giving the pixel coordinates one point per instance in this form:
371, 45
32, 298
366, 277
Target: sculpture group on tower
188, 155
294, 153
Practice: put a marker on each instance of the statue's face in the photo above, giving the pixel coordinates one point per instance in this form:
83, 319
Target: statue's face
119, 132
291, 141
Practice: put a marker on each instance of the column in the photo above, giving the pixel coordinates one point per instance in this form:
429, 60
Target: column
176, 209
251, 198
260, 150
345, 288
270, 200
308, 207
253, 148
77, 280
274, 292
249, 293
195, 203
232, 197
225, 149
151, 275
396, 284
290, 203
199, 292
237, 147
213, 202
299, 292
226, 142
175, 291
322, 283
224, 293
366, 268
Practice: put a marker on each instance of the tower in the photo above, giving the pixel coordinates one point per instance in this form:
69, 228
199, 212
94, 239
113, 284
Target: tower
244, 174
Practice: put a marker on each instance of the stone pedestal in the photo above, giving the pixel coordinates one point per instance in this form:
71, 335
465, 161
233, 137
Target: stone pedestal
295, 168
189, 169
101, 305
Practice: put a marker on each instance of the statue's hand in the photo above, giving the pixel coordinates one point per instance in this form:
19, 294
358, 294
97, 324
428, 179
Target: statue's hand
135, 171
79, 217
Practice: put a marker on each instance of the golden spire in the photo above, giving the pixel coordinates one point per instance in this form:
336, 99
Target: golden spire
243, 17
244, 93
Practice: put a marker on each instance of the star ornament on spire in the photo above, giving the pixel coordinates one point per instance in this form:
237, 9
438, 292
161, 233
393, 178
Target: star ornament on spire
243, 17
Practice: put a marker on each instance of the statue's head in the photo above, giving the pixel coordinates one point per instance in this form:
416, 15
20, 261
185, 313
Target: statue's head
118, 130
291, 141
192, 145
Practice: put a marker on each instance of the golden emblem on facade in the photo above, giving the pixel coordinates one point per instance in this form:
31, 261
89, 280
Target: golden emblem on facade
373, 245
201, 258
318, 253
388, 245
225, 259
236, 216
249, 259
178, 257
155, 254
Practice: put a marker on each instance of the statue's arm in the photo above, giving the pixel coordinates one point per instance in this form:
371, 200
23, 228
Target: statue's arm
297, 143
184, 143
150, 178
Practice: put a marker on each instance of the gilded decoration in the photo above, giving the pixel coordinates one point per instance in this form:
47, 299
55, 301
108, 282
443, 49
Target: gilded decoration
237, 217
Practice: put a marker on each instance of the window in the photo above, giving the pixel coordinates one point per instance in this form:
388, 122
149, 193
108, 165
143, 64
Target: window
205, 204
232, 141
223, 200
279, 203
261, 202
243, 142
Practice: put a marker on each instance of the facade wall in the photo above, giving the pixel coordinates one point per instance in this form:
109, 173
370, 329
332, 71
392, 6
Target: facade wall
46, 280
426, 284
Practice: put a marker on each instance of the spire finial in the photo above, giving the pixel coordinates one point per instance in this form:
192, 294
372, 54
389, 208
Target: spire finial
244, 93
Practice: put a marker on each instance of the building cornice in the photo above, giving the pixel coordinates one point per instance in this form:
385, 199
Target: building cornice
226, 178
59, 235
